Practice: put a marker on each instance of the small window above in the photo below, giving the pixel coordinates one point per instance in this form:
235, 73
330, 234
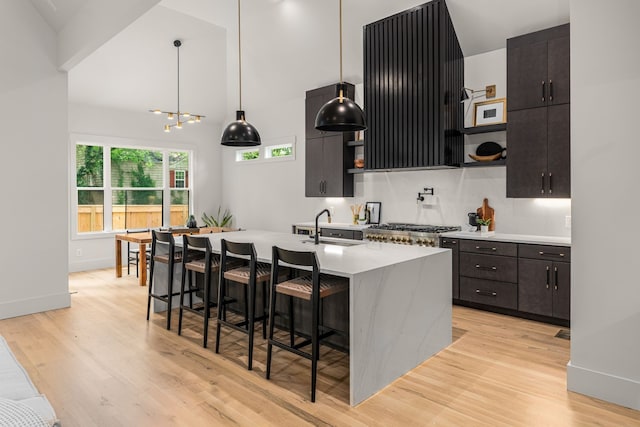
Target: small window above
281, 150
247, 155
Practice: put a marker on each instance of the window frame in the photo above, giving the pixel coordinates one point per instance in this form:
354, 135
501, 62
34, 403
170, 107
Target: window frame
265, 149
113, 142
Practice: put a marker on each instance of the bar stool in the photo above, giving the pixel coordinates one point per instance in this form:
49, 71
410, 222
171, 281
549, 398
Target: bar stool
309, 287
209, 266
247, 275
172, 257
133, 252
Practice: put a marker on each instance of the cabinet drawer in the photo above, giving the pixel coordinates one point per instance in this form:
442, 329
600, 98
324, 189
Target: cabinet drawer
336, 232
504, 269
546, 252
497, 294
486, 247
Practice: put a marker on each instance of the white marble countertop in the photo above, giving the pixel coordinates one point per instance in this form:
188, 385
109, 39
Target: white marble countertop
515, 238
361, 256
338, 225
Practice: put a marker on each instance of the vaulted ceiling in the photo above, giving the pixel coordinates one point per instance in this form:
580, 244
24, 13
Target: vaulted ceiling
288, 46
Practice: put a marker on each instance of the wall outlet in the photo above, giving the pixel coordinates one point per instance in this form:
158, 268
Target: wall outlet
567, 221
79, 252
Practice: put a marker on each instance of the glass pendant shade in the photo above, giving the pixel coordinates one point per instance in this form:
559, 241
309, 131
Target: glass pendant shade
340, 115
240, 133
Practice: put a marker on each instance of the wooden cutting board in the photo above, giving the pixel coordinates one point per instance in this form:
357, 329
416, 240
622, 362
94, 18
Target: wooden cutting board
485, 211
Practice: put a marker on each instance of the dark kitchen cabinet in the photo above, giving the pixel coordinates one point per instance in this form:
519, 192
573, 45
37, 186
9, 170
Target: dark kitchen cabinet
455, 264
413, 75
489, 273
538, 129
327, 154
527, 280
538, 160
538, 69
544, 288
326, 162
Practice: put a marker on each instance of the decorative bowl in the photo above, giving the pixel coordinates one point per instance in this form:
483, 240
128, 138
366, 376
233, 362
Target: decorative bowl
486, 158
359, 163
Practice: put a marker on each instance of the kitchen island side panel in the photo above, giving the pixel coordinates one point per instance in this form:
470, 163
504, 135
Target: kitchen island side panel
400, 316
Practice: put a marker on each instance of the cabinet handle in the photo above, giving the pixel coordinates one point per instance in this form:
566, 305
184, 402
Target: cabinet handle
543, 91
542, 183
453, 242
493, 268
547, 277
551, 254
555, 278
486, 293
550, 184
480, 248
550, 90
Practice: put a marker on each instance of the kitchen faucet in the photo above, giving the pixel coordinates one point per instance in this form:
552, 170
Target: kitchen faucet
316, 239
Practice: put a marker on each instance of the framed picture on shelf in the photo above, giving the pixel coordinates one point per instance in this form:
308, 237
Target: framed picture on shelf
490, 112
374, 212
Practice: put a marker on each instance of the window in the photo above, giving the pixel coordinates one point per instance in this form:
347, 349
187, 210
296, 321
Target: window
244, 155
179, 179
281, 149
121, 188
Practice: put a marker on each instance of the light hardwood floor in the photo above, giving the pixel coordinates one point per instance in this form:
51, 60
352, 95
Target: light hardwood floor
101, 363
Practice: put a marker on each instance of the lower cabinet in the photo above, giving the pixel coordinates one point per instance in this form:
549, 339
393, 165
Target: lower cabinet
527, 280
489, 292
455, 264
544, 287
341, 233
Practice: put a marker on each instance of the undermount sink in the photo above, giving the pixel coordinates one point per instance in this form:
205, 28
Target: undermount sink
332, 242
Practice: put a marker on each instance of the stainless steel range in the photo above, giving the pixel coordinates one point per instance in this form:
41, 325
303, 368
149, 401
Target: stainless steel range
407, 234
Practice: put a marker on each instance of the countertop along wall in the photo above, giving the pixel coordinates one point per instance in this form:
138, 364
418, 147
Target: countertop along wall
270, 195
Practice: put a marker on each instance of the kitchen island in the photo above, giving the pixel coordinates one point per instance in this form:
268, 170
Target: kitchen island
399, 301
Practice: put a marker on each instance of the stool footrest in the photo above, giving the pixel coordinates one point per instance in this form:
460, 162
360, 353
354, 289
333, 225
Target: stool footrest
289, 348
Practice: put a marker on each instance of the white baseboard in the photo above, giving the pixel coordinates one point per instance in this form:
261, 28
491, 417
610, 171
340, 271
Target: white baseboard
93, 264
34, 305
614, 389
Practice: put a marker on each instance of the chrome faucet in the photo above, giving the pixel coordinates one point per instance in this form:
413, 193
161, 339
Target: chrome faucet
316, 239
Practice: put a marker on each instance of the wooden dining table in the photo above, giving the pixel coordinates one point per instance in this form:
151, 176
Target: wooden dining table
142, 239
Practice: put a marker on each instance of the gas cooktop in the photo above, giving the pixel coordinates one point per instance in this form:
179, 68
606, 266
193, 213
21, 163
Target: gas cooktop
407, 234
416, 228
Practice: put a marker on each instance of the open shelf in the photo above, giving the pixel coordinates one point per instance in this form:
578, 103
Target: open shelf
358, 143
356, 170
499, 162
485, 129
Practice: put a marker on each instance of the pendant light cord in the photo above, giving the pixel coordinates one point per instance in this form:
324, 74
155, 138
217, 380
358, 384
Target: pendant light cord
239, 58
340, 41
178, 47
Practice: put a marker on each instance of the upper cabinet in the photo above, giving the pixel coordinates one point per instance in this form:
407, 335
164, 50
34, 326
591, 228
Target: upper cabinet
538, 129
413, 75
327, 154
538, 69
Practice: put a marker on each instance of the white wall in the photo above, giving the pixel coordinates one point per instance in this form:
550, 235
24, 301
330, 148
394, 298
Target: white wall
605, 300
144, 129
34, 149
271, 195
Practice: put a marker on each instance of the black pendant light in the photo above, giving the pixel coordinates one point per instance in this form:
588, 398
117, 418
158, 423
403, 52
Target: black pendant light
240, 133
340, 114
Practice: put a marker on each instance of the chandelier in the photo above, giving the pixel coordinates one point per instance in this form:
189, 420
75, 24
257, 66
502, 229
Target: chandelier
178, 118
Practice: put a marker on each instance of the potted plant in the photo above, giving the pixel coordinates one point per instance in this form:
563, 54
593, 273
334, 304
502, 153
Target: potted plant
484, 224
220, 221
